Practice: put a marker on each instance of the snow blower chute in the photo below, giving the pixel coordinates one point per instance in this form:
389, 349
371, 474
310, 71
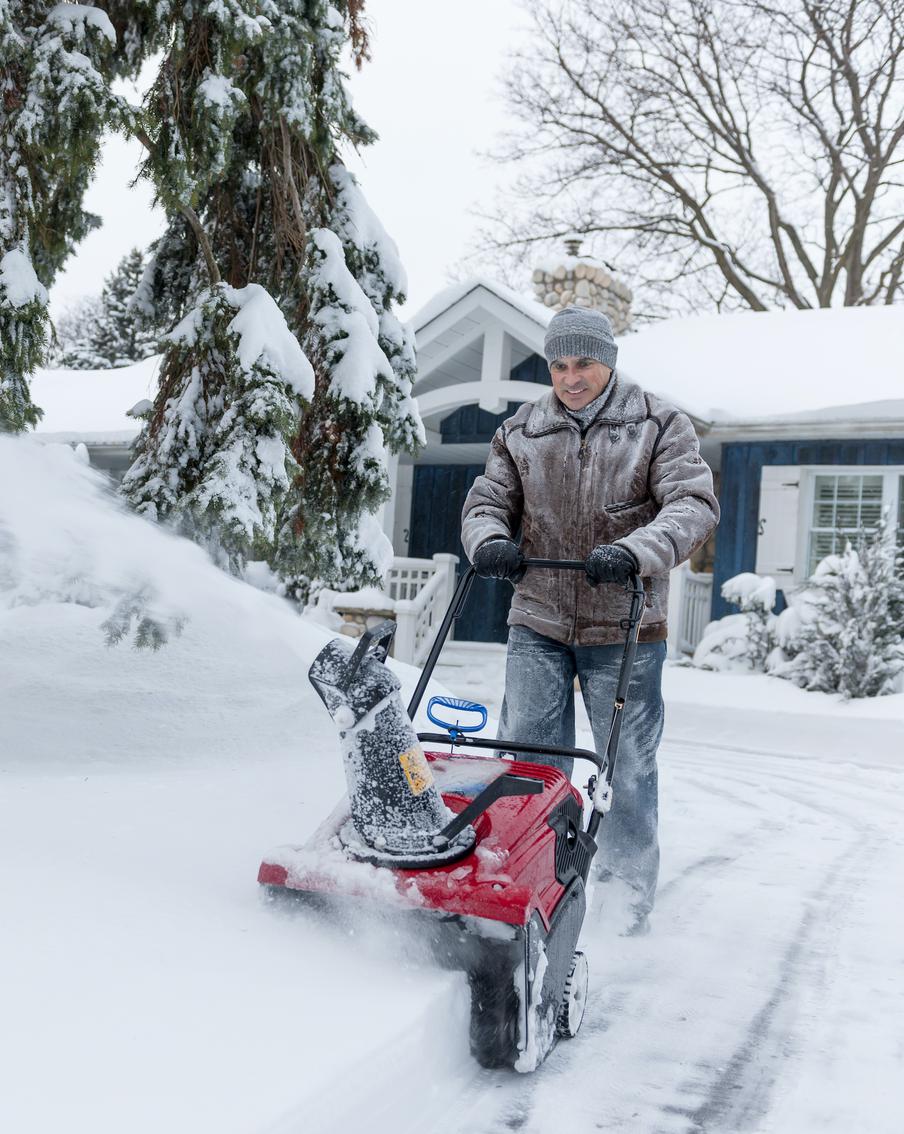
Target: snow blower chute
489, 853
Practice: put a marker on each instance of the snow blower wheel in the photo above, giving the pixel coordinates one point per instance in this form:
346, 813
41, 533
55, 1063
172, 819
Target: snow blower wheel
487, 855
571, 1013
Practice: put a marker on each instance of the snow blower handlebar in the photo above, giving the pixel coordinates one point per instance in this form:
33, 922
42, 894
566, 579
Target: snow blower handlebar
457, 605
600, 786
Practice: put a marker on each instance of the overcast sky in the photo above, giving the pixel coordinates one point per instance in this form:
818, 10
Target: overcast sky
432, 92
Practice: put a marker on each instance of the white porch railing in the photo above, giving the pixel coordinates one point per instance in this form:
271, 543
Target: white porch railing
421, 590
694, 595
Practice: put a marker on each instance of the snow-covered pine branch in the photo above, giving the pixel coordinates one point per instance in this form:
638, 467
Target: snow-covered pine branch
214, 459
374, 259
245, 126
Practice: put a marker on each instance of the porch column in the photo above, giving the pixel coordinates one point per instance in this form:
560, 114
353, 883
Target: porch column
495, 368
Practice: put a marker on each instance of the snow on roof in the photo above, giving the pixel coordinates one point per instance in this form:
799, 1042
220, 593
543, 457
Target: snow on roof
841, 364
754, 365
84, 404
449, 296
888, 409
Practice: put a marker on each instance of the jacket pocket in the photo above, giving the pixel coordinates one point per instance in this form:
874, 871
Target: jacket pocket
626, 504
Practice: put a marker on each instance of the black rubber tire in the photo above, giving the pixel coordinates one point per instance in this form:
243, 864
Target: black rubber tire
570, 1017
495, 1011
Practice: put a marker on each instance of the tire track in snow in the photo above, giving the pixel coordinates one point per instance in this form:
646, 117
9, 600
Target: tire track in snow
740, 1095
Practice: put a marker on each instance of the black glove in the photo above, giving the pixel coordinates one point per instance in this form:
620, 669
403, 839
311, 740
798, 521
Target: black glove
610, 563
499, 559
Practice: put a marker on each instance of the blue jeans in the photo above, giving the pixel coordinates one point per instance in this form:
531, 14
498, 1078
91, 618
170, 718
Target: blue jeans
539, 708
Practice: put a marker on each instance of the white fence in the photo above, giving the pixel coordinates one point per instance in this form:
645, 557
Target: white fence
690, 597
421, 590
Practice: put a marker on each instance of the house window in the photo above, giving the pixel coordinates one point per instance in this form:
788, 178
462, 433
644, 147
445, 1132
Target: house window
846, 504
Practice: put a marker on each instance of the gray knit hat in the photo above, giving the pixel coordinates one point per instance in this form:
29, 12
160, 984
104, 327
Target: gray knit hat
580, 332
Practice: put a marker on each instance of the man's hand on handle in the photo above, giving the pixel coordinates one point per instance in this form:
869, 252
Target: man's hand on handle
499, 559
610, 563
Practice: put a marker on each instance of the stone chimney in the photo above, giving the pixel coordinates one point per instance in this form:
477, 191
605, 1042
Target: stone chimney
579, 281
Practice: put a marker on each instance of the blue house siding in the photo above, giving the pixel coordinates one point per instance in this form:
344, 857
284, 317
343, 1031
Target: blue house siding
739, 495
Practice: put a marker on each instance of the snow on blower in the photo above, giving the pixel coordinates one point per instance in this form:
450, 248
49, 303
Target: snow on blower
488, 853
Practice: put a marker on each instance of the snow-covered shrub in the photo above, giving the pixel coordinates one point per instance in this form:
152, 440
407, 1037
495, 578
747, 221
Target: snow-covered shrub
846, 634
740, 642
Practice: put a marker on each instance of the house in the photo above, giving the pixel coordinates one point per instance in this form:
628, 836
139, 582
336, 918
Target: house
799, 413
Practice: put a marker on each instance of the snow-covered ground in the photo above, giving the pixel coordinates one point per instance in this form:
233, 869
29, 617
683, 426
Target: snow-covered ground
144, 986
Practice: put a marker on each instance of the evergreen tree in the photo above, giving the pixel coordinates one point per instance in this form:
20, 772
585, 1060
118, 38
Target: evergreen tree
214, 458
73, 336
852, 641
122, 336
246, 123
107, 331
56, 102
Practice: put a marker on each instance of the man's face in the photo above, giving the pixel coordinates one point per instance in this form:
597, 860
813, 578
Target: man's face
577, 381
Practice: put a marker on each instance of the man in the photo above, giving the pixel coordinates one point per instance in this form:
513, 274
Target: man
597, 469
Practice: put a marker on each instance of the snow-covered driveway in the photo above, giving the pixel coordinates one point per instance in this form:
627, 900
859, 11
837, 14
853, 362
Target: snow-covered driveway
147, 988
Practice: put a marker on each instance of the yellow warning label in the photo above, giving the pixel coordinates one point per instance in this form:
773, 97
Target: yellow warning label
416, 769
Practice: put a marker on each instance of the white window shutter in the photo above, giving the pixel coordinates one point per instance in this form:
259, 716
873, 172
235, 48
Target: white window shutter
777, 528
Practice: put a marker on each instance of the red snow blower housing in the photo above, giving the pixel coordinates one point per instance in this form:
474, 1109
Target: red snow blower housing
491, 853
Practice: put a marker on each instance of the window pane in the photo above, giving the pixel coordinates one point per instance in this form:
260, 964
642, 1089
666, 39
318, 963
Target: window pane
849, 487
844, 505
847, 516
870, 515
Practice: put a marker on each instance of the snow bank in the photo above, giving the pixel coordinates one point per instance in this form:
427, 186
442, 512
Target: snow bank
71, 557
140, 792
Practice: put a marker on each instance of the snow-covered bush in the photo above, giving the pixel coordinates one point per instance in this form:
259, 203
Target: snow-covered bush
740, 642
846, 631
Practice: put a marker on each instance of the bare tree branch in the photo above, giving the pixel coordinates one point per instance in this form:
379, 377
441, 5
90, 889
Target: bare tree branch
743, 153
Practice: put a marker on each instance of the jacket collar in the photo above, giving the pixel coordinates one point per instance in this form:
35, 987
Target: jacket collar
624, 402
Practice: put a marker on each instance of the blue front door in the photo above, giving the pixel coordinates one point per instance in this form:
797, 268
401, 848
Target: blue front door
438, 494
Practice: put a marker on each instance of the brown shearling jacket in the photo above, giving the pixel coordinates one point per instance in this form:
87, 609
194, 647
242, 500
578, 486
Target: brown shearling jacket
635, 477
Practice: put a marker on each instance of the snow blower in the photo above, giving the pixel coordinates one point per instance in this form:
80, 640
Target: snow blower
490, 855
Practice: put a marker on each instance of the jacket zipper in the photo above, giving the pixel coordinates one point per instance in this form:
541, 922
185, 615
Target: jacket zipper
580, 495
